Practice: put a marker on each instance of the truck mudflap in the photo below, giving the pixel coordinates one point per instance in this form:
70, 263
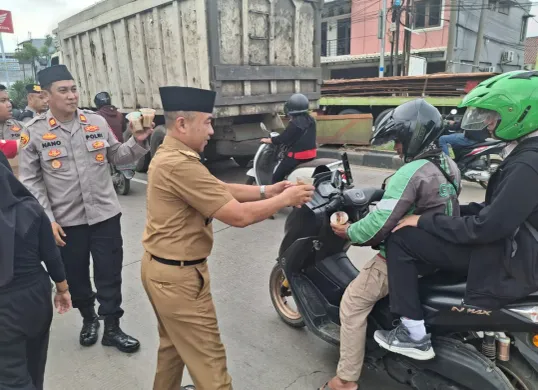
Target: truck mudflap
454, 360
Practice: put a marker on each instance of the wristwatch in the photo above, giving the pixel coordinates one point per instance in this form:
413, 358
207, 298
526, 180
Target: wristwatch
262, 192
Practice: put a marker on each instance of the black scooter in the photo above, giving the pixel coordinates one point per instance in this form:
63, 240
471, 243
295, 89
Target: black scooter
475, 348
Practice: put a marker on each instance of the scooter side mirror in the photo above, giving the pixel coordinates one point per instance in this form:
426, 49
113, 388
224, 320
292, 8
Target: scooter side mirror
263, 127
336, 179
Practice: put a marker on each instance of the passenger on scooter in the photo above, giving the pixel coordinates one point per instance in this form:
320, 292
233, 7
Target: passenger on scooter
429, 182
461, 140
299, 138
495, 243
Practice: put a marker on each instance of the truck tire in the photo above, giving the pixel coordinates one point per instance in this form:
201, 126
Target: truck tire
156, 139
142, 165
243, 161
349, 111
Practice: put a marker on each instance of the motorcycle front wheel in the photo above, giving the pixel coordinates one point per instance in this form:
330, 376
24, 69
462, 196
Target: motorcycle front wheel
123, 185
280, 293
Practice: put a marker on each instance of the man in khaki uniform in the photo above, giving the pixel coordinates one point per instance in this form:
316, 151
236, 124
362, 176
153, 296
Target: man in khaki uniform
64, 163
183, 198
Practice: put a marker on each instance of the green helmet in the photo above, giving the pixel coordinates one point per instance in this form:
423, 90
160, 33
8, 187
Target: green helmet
506, 104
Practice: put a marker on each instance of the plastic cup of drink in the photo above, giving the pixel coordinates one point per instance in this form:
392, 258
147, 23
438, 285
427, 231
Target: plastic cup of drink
339, 218
135, 118
305, 180
147, 114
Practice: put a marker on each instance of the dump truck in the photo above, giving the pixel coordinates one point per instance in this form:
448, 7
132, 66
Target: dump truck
254, 53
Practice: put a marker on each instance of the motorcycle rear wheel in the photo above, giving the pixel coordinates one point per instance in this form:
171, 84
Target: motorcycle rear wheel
520, 374
279, 293
123, 185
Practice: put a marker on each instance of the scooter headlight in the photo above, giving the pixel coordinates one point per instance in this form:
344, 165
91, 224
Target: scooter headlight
528, 312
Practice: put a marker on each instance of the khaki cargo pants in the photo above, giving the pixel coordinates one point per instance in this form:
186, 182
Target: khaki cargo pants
358, 301
188, 329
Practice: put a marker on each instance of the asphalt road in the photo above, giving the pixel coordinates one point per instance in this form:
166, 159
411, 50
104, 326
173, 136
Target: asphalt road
263, 353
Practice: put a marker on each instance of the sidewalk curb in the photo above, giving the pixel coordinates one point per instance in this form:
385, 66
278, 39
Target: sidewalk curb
368, 159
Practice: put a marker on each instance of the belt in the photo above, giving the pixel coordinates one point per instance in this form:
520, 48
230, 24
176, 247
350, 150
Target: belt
304, 155
178, 263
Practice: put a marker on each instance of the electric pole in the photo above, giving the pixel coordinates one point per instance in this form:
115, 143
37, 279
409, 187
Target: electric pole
396, 19
453, 29
381, 35
407, 39
480, 36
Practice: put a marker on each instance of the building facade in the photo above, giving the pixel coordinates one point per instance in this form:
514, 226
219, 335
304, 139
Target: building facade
350, 46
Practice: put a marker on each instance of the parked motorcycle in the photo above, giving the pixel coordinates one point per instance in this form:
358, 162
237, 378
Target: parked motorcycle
121, 177
475, 162
268, 157
475, 348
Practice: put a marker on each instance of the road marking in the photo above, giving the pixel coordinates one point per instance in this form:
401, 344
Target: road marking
139, 181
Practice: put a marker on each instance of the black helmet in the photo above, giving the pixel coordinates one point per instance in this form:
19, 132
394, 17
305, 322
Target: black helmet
416, 124
297, 104
102, 99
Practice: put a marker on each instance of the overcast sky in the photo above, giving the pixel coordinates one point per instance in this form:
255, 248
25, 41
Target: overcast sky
40, 17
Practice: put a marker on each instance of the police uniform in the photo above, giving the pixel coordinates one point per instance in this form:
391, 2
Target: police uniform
28, 113
182, 197
11, 130
66, 167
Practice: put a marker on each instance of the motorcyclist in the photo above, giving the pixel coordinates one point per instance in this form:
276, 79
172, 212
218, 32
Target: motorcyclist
114, 118
299, 138
429, 182
461, 140
495, 243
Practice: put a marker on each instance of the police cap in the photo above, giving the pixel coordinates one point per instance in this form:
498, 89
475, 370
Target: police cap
187, 99
33, 88
52, 74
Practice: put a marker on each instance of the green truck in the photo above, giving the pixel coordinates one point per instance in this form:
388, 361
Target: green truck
349, 108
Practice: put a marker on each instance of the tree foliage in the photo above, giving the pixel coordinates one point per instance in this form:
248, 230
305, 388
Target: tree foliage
17, 92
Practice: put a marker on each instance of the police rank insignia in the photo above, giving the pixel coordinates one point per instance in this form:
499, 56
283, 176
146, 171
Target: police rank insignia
15, 128
83, 118
25, 138
52, 122
91, 128
98, 145
56, 164
49, 136
54, 153
100, 157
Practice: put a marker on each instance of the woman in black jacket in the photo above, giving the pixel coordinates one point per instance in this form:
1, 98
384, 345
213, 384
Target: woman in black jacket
494, 244
299, 138
26, 240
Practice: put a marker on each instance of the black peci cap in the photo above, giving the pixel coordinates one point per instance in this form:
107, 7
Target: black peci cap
187, 99
52, 74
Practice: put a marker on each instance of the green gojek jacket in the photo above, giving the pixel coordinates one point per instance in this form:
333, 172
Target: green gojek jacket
417, 188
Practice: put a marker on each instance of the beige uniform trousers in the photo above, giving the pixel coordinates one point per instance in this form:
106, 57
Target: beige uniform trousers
358, 301
188, 329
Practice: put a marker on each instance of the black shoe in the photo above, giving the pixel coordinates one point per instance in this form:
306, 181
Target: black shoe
114, 337
90, 327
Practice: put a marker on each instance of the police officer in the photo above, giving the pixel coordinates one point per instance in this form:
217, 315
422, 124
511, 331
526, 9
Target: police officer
64, 163
183, 198
36, 103
10, 129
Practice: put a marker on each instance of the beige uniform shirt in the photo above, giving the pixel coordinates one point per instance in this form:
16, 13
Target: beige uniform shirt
67, 169
10, 129
181, 200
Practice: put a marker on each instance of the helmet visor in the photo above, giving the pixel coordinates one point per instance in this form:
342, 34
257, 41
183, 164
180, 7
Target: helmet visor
476, 119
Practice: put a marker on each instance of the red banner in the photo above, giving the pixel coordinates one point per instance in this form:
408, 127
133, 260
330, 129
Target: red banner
6, 22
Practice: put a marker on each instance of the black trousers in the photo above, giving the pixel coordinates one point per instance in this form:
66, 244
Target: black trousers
286, 166
25, 318
104, 242
412, 252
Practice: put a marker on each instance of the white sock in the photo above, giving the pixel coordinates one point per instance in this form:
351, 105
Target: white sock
416, 329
